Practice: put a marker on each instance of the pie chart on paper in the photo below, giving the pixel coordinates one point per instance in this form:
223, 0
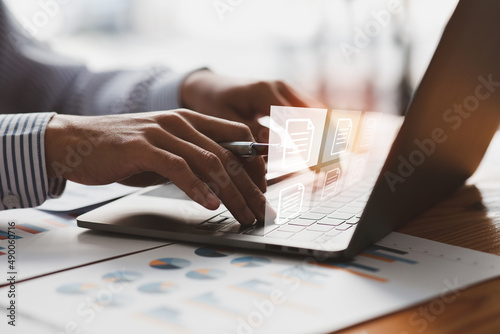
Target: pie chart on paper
213, 252
168, 263
206, 274
77, 288
250, 261
158, 287
122, 276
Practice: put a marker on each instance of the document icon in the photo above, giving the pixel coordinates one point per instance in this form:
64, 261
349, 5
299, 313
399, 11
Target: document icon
342, 135
369, 129
356, 173
290, 202
298, 143
331, 182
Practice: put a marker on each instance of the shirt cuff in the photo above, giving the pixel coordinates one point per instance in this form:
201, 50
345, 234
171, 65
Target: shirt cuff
23, 173
165, 92
56, 187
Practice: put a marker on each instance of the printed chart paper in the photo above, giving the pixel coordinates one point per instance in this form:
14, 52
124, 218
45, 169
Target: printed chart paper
77, 196
46, 243
189, 289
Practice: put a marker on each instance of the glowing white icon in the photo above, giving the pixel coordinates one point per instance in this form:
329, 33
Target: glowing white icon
290, 202
342, 135
356, 172
369, 130
298, 143
331, 182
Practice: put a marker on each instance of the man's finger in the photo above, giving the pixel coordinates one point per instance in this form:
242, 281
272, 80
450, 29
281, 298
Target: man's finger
217, 129
296, 99
176, 169
203, 157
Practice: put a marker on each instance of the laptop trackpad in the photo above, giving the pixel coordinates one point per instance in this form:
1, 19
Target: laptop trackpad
163, 208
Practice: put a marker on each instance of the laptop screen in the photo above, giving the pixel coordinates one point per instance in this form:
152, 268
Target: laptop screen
323, 154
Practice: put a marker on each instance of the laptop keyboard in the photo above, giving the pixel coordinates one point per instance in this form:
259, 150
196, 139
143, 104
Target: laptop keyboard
329, 218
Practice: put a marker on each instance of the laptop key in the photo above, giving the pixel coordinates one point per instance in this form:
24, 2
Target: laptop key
343, 199
330, 221
301, 222
357, 204
322, 210
350, 209
320, 228
289, 215
291, 228
312, 215
226, 214
332, 205
209, 226
235, 228
352, 221
307, 236
340, 215
344, 227
216, 220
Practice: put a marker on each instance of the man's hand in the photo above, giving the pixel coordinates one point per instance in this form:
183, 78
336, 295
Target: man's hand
149, 148
239, 100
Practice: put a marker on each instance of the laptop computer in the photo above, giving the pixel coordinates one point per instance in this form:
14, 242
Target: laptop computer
340, 197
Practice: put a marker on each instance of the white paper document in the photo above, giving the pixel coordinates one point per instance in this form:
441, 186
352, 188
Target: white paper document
77, 196
46, 243
194, 289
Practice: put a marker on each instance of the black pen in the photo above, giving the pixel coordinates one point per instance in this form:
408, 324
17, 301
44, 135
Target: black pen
246, 148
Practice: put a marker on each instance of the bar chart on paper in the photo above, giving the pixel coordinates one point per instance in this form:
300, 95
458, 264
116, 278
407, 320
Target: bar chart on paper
29, 222
369, 271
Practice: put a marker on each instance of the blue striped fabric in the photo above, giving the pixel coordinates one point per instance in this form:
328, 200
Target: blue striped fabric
22, 169
33, 78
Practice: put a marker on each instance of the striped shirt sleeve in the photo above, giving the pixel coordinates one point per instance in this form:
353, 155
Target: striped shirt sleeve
23, 175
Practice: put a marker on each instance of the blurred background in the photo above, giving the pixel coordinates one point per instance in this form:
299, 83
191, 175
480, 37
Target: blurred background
351, 54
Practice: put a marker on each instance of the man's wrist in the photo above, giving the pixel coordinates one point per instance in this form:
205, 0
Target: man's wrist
193, 89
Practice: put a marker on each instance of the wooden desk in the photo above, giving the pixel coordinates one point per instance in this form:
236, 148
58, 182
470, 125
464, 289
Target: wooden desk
469, 218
